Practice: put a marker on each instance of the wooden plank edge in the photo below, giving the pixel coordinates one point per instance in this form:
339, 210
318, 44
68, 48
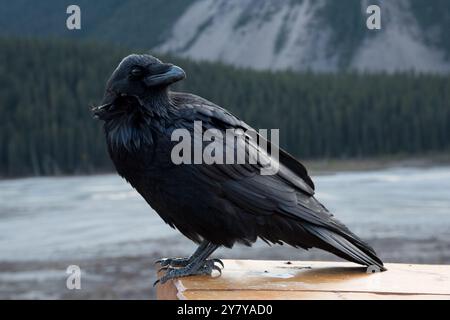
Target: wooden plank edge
300, 295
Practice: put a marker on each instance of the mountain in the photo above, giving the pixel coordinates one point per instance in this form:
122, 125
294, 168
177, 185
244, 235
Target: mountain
321, 35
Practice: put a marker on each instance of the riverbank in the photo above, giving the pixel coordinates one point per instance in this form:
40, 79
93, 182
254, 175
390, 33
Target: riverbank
329, 166
322, 166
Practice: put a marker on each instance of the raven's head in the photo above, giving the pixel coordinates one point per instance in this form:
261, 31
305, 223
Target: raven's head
137, 79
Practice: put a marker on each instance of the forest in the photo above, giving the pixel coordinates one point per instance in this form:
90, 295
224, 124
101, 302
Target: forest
47, 87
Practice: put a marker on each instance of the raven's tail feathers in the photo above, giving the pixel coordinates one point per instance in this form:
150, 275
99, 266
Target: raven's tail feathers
355, 251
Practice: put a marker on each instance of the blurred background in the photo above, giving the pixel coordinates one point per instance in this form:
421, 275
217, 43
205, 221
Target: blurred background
367, 111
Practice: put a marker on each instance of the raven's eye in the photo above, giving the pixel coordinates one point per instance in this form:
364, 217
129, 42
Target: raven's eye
137, 72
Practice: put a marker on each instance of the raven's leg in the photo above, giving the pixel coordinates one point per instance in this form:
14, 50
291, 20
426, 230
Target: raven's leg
199, 265
182, 262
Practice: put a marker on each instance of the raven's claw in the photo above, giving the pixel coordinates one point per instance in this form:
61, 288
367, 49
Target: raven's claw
218, 261
190, 270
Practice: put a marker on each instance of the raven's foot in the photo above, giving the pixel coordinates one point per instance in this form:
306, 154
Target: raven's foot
173, 262
179, 262
190, 270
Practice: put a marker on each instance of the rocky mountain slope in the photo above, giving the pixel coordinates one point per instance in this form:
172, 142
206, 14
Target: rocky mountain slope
321, 35
318, 35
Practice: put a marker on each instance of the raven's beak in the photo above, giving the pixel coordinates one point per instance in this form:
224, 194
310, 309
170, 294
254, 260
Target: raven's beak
170, 75
103, 108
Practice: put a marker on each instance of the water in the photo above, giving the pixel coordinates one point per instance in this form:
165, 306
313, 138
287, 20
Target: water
53, 218
58, 218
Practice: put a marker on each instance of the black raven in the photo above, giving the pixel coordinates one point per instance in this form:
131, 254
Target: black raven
212, 204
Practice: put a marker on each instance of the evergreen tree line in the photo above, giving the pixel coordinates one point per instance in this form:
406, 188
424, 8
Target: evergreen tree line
47, 86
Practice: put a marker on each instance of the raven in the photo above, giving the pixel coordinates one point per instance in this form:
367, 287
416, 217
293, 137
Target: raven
211, 204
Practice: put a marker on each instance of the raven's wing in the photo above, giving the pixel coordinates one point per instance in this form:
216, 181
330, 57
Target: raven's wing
286, 195
196, 108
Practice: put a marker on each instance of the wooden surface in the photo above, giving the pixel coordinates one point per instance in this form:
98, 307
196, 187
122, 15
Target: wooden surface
251, 279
